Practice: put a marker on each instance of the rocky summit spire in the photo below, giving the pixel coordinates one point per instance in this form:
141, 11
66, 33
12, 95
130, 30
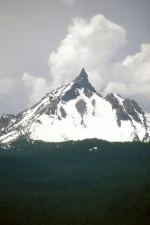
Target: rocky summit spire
80, 83
83, 82
83, 77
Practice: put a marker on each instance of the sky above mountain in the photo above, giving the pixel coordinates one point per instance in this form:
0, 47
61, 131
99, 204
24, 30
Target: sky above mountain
45, 44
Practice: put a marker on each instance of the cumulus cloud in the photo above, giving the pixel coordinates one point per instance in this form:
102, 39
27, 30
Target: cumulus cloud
37, 87
90, 44
93, 44
131, 77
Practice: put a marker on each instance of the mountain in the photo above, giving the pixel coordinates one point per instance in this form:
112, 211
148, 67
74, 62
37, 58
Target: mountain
76, 112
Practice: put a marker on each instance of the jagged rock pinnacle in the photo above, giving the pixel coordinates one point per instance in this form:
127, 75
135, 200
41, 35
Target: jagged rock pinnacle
82, 76
81, 82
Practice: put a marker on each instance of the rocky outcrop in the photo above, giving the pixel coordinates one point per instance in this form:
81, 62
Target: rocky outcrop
125, 112
63, 112
136, 106
112, 100
81, 107
72, 93
81, 82
120, 112
121, 115
129, 107
6, 120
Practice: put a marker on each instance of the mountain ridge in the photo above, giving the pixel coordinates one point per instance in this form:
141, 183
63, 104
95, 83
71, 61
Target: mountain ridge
75, 112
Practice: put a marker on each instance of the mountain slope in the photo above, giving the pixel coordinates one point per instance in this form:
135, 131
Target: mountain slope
75, 112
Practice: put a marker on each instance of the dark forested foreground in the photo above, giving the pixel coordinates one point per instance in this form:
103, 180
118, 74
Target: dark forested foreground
66, 184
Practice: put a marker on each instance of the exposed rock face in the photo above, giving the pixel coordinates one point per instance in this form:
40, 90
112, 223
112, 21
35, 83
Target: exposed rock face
120, 112
81, 107
93, 102
71, 94
121, 115
81, 82
53, 106
136, 106
125, 111
63, 112
48, 109
19, 115
112, 100
129, 107
6, 120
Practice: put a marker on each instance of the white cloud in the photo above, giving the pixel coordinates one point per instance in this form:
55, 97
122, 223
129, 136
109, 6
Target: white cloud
37, 87
131, 77
90, 44
69, 2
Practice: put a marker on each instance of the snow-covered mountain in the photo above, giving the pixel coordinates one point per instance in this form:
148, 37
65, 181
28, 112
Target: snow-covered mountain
75, 112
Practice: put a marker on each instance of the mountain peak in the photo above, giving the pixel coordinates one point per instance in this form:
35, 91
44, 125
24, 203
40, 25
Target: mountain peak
82, 76
81, 82
76, 111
